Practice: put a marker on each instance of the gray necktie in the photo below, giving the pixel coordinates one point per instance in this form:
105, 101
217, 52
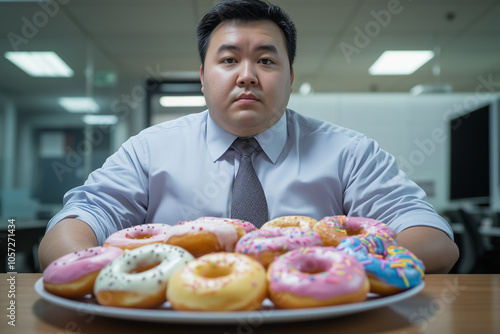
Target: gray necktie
249, 202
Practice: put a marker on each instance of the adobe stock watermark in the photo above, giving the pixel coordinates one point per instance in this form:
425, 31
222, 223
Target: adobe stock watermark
121, 107
76, 157
426, 314
220, 183
364, 36
86, 312
247, 325
426, 147
30, 26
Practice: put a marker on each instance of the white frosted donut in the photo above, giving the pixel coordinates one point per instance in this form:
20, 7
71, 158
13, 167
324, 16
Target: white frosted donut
137, 236
139, 278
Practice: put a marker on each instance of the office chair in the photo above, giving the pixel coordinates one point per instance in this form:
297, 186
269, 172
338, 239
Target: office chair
473, 250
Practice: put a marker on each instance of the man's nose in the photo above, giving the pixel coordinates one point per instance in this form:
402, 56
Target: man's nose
247, 75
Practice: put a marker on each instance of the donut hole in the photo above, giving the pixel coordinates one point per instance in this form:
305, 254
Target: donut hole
312, 266
214, 271
351, 232
142, 267
140, 236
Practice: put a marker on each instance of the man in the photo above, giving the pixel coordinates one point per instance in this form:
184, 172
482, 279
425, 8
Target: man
184, 169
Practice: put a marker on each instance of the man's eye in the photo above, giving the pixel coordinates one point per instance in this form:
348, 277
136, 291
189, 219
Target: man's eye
228, 61
266, 61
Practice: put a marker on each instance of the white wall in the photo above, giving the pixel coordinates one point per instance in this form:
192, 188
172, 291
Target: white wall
412, 128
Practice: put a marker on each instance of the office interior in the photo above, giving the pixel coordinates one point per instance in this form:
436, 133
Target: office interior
441, 121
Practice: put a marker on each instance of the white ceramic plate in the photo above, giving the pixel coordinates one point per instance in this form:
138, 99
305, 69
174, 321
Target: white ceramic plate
267, 314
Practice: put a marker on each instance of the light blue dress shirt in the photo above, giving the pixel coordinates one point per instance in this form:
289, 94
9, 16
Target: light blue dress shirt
184, 169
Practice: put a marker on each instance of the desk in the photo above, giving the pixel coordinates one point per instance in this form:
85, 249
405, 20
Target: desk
448, 304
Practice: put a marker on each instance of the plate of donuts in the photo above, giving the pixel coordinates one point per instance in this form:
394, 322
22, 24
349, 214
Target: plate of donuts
266, 314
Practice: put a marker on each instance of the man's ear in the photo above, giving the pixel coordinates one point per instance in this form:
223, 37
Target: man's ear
201, 78
291, 79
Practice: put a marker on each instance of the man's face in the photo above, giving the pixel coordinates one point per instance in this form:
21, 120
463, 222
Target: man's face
246, 78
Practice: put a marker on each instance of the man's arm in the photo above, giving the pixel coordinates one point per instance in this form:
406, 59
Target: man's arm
68, 235
434, 247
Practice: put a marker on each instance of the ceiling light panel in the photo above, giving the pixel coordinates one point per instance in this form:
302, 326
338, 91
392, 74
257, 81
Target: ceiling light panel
79, 104
182, 101
400, 62
40, 64
100, 119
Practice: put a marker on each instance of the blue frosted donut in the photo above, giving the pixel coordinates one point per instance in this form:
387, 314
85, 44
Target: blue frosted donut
390, 269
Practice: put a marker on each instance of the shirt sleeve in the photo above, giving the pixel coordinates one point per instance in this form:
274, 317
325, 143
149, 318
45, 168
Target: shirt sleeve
375, 187
114, 196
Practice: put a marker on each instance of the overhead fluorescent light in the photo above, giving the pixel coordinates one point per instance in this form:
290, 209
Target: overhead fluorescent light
400, 62
40, 64
182, 101
79, 104
431, 89
100, 119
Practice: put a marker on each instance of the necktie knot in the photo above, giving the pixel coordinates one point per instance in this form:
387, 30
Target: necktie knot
246, 146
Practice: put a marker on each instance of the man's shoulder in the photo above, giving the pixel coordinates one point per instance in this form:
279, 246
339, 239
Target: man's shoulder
190, 122
309, 126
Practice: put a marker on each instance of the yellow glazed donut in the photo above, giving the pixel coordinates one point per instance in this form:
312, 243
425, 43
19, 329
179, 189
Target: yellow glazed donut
218, 282
302, 222
139, 277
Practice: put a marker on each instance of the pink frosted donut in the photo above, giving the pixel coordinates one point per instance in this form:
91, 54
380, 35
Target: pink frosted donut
138, 236
247, 226
73, 275
361, 225
316, 276
266, 244
204, 236
333, 229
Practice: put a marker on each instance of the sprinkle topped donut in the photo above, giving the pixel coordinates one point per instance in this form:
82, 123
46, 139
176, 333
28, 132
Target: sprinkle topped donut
316, 276
138, 236
302, 222
333, 229
361, 225
247, 226
73, 275
390, 269
266, 244
139, 277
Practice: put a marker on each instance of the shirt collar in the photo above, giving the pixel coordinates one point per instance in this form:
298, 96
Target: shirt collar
272, 140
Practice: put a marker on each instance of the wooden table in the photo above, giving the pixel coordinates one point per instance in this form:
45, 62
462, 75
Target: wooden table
448, 304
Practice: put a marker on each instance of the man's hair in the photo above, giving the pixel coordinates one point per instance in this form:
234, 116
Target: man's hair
246, 11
